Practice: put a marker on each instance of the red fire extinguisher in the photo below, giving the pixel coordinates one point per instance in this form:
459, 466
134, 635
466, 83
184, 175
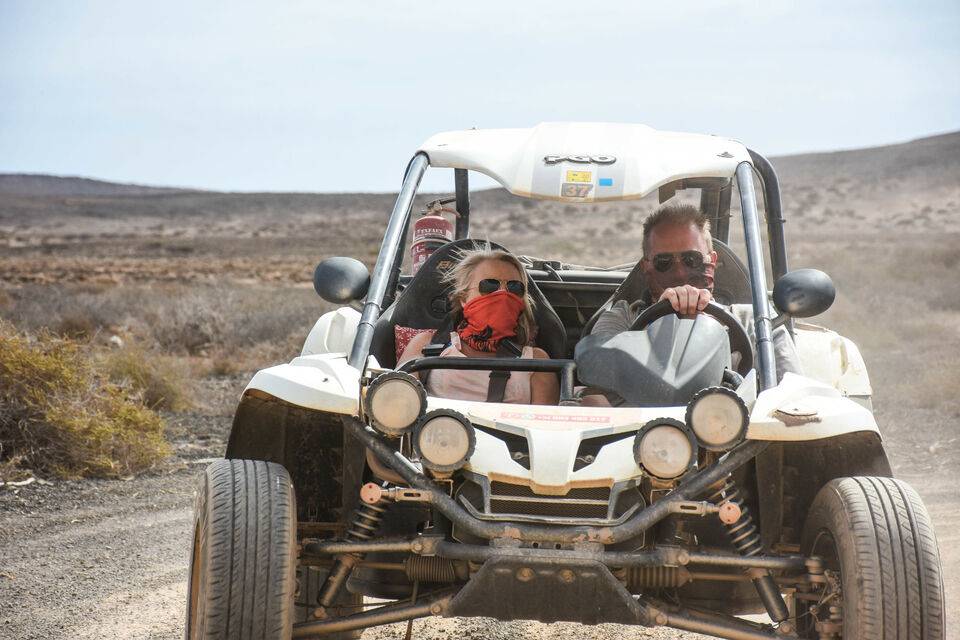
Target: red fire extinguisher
431, 231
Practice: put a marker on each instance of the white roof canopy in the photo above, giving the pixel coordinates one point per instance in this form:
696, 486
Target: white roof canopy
585, 161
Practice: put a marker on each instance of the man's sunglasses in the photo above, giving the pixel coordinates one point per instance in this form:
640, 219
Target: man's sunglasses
693, 260
489, 285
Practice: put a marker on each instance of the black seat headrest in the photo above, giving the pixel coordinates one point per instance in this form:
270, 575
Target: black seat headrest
424, 304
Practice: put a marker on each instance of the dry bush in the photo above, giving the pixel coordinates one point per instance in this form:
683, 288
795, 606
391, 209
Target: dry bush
73, 311
191, 322
61, 416
76, 324
179, 319
222, 366
156, 378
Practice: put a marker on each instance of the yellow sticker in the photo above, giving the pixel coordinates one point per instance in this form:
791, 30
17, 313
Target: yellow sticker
579, 176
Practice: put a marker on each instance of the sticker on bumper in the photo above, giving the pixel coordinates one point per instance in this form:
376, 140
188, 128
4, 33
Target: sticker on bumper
579, 176
575, 190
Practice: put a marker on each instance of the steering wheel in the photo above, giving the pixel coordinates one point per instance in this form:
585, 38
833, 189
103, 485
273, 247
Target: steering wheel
739, 341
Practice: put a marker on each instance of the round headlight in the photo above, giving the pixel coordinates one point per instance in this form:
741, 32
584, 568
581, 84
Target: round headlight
444, 440
665, 448
394, 401
718, 417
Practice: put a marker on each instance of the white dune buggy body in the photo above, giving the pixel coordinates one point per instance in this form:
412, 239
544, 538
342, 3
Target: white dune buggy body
817, 406
561, 512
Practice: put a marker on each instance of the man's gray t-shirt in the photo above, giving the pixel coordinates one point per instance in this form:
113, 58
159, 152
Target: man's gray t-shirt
619, 317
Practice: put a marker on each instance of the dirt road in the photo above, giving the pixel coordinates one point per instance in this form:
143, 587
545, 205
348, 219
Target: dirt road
108, 560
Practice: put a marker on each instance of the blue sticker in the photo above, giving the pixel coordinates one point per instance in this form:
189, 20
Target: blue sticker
606, 182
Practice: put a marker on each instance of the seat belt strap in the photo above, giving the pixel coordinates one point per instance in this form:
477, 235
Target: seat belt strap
497, 387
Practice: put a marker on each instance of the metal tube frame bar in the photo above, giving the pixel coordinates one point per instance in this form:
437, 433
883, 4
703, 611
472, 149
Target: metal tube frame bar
336, 547
718, 625
652, 613
665, 555
774, 210
461, 181
692, 487
387, 614
389, 250
762, 319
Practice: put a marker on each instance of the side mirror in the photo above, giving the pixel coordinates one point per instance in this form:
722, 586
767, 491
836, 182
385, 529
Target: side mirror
341, 280
804, 293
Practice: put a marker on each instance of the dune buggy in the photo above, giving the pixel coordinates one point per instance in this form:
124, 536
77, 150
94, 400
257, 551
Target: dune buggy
716, 489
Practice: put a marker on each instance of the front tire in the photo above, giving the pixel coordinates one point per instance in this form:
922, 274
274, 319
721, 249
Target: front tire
242, 583
875, 535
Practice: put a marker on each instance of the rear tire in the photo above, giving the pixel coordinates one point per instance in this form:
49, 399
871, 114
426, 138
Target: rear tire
242, 583
875, 532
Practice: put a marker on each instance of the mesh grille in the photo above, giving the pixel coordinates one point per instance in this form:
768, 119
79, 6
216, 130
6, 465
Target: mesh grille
552, 508
587, 502
523, 491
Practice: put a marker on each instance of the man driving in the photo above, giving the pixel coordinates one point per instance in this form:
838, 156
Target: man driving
678, 264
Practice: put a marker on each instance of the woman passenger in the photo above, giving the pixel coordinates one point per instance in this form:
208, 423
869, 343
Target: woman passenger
491, 304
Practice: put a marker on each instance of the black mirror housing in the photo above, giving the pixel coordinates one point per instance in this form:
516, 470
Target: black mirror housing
804, 293
341, 280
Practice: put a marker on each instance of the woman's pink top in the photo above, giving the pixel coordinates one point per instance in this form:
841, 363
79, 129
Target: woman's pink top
472, 385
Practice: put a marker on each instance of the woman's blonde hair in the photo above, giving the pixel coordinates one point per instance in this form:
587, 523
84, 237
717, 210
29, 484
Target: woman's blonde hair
459, 279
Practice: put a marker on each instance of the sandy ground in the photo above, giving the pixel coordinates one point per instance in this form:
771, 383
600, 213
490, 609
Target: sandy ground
108, 559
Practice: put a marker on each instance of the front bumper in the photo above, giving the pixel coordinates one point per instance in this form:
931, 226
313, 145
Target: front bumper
636, 525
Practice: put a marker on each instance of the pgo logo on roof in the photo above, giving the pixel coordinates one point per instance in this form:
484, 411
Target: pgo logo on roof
580, 159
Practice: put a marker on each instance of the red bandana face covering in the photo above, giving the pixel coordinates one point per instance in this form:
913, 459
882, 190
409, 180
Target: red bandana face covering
490, 318
679, 276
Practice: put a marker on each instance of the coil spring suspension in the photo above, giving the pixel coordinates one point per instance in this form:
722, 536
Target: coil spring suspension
366, 521
746, 540
363, 526
743, 533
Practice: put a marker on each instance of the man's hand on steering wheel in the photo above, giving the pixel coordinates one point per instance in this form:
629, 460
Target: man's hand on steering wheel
739, 340
687, 300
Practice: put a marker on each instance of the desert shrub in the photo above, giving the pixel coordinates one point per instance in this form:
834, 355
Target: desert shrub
191, 321
76, 324
195, 319
72, 311
222, 366
158, 379
61, 416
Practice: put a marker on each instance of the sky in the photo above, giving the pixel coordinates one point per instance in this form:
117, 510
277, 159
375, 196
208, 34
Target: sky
336, 96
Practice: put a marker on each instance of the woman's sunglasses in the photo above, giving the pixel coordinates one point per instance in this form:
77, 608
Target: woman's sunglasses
489, 285
693, 260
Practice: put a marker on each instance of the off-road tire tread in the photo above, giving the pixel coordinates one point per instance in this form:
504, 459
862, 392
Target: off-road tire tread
929, 586
249, 508
894, 551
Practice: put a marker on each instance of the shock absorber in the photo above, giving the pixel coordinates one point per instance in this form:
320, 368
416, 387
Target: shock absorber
743, 532
745, 537
363, 526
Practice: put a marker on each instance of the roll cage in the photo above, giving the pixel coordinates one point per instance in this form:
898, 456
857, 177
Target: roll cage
715, 202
